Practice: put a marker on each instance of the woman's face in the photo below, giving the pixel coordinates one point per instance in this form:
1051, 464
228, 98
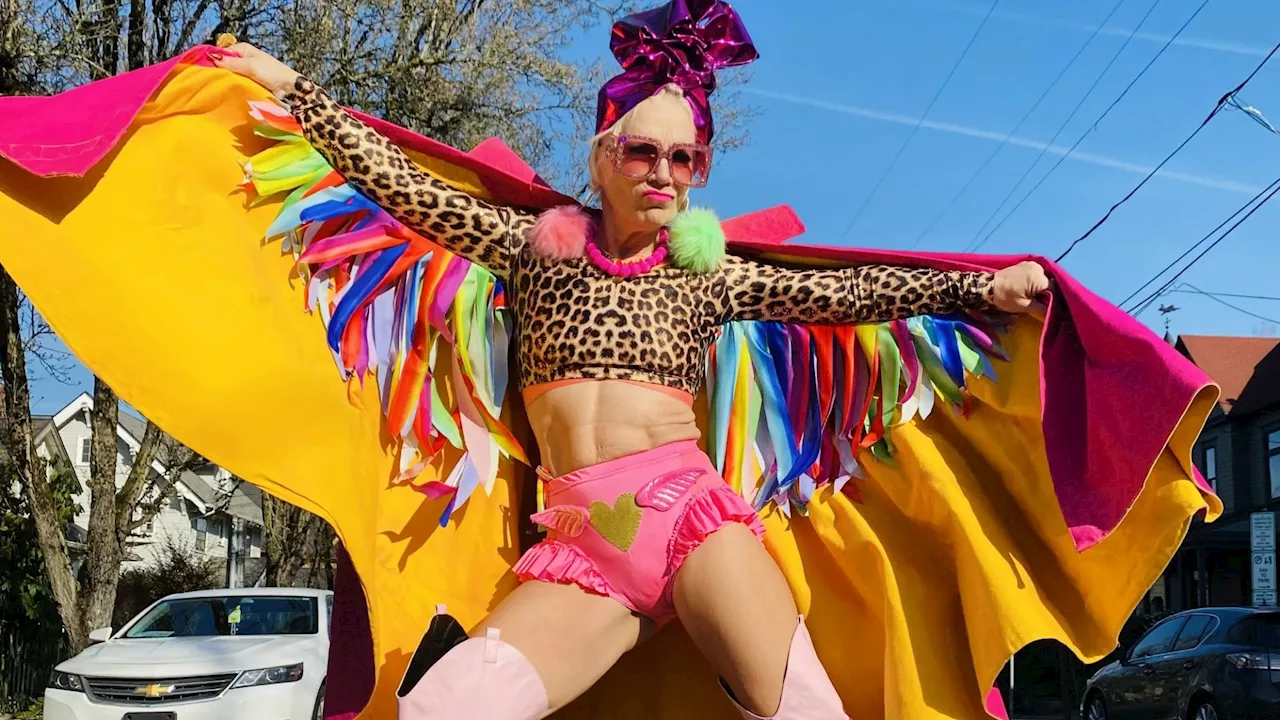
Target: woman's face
640, 201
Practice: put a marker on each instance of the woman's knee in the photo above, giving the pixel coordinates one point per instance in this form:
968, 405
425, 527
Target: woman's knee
480, 677
570, 637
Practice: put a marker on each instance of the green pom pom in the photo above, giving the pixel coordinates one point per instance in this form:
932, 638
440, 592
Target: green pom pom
697, 240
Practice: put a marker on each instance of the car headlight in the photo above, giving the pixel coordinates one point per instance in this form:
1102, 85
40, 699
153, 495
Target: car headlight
269, 676
59, 680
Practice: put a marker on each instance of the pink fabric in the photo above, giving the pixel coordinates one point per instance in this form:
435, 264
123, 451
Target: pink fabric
995, 705
553, 561
807, 692
671, 524
483, 677
713, 509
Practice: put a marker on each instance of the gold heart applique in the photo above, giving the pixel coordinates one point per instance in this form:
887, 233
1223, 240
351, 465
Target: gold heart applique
618, 524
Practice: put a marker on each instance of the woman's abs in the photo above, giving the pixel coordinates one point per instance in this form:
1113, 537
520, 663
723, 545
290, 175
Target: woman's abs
581, 424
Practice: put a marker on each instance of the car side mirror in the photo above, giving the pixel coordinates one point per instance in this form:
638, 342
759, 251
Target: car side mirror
100, 635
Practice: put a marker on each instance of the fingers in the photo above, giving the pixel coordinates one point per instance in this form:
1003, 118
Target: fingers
237, 65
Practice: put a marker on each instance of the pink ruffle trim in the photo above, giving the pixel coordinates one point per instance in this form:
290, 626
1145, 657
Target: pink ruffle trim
708, 512
556, 562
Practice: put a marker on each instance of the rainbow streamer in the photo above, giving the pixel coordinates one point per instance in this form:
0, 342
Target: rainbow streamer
805, 400
792, 406
387, 296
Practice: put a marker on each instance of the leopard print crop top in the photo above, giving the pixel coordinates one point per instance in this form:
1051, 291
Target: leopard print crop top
575, 321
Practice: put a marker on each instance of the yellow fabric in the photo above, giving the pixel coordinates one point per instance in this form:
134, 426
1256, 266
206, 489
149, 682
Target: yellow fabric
154, 273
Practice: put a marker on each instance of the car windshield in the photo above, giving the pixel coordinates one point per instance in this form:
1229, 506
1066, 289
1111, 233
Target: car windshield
1258, 630
228, 615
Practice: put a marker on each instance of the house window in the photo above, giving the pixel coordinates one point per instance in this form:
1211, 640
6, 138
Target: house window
202, 532
86, 445
1273, 461
1210, 467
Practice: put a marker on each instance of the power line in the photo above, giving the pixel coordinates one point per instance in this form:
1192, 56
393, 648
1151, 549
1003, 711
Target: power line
1222, 102
1214, 297
1199, 242
1222, 294
974, 244
1212, 245
1016, 128
1104, 114
923, 117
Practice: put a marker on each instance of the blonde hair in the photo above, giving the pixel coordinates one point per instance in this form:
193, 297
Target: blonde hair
596, 158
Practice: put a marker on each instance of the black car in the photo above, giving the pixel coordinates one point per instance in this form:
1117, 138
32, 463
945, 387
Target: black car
1211, 664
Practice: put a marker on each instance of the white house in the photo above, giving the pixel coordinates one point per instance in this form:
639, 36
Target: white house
207, 511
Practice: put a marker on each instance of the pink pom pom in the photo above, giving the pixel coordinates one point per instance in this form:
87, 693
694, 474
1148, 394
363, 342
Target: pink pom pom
561, 233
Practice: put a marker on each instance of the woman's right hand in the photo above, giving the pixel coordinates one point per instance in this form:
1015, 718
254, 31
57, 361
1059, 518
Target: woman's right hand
249, 61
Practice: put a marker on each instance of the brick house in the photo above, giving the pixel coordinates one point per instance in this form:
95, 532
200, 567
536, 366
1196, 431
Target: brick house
1239, 454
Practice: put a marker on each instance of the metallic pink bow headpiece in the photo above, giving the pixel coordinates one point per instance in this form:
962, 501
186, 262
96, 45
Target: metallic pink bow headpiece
683, 42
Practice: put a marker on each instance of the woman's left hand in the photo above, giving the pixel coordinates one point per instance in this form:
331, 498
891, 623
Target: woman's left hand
1018, 288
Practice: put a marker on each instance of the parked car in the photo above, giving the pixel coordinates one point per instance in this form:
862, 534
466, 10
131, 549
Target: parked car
1211, 664
257, 653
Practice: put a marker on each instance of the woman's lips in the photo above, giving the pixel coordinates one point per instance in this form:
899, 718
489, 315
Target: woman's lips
658, 196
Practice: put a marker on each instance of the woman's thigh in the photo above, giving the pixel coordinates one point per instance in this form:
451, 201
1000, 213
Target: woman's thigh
571, 637
735, 603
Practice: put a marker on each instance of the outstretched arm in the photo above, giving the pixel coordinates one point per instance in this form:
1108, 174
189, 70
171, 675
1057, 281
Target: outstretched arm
476, 230
869, 293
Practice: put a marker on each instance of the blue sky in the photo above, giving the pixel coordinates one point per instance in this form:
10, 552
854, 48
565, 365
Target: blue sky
841, 83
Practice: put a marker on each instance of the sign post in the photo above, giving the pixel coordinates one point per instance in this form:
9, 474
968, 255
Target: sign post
1262, 542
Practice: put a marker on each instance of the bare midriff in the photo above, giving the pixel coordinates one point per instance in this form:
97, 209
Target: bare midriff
584, 423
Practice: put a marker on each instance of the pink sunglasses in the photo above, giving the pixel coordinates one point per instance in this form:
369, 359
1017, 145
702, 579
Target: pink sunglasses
637, 157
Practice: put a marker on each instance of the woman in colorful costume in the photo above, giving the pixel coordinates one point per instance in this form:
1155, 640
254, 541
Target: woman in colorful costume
614, 316
816, 365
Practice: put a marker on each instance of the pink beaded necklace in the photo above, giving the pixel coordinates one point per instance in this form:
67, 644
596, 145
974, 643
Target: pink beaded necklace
631, 268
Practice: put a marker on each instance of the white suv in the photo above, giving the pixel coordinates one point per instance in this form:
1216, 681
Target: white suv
256, 653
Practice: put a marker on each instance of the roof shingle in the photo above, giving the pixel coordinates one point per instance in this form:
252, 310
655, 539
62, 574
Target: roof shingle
1246, 368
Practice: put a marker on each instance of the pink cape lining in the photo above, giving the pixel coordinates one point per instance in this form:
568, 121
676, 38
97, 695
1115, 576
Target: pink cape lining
1097, 364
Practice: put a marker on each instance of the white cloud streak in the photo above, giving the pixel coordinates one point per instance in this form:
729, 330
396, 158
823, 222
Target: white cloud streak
1223, 46
980, 134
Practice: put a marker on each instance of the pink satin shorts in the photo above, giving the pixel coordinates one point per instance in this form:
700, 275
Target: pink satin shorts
624, 527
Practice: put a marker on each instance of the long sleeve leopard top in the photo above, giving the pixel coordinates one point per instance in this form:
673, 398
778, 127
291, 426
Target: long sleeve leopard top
575, 321
481, 232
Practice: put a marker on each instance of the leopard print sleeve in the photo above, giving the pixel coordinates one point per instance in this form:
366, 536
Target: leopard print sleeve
483, 233
869, 293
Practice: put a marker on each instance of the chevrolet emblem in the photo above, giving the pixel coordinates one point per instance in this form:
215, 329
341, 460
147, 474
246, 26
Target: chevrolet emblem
153, 691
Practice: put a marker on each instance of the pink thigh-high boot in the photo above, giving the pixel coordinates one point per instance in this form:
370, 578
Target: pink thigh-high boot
482, 677
807, 692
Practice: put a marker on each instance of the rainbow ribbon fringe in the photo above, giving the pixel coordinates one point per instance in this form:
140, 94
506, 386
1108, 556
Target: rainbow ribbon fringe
792, 406
388, 297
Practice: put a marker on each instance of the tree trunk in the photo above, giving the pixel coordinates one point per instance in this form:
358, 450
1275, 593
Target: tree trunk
49, 530
98, 596
135, 47
286, 540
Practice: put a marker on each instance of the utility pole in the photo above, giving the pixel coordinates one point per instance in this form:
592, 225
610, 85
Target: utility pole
235, 552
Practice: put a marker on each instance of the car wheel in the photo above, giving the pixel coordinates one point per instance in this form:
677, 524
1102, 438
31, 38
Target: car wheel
1098, 709
319, 711
1206, 710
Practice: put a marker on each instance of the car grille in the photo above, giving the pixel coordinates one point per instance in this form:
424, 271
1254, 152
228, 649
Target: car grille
157, 692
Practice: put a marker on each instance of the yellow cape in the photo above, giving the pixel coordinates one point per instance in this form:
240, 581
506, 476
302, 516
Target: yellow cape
156, 275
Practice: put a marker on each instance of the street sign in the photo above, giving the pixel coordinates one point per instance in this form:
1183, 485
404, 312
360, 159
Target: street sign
1262, 531
1264, 598
1264, 571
